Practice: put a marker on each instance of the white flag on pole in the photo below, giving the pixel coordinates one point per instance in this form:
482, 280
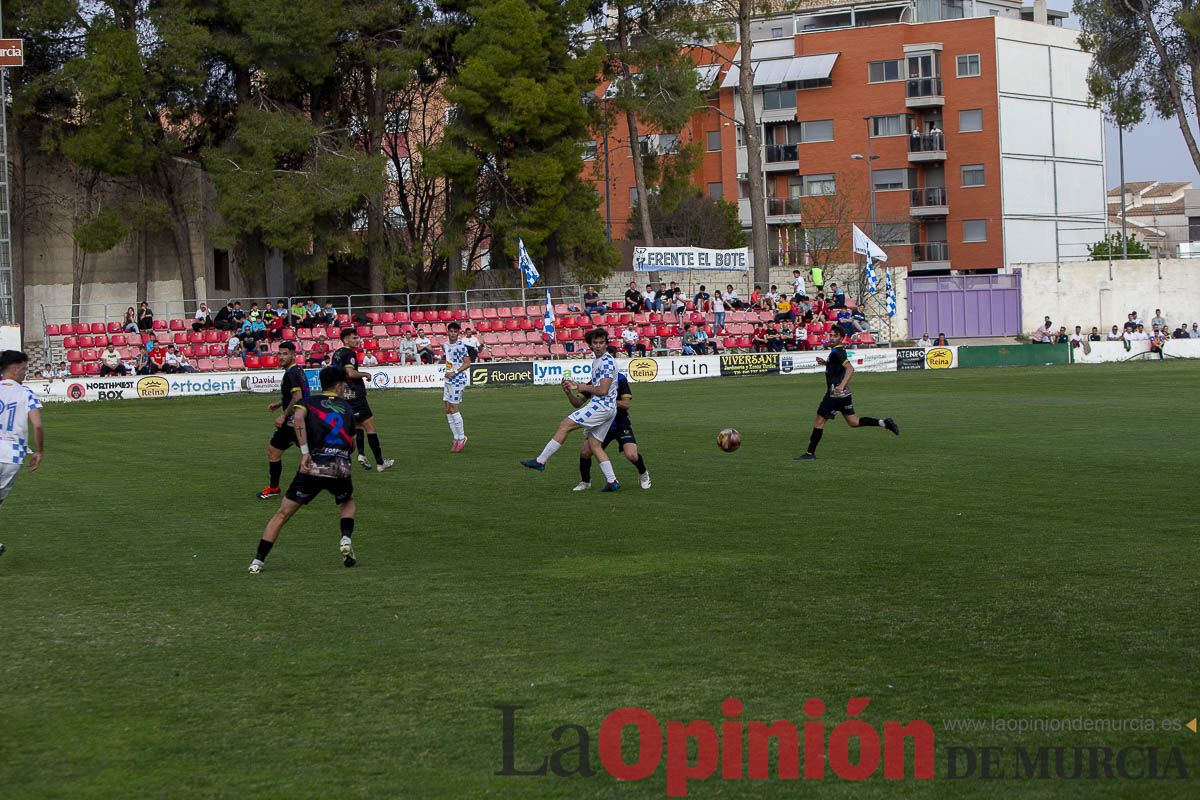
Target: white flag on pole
865, 247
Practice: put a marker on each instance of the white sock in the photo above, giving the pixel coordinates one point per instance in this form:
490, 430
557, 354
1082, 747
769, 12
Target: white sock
453, 428
607, 468
550, 449
459, 431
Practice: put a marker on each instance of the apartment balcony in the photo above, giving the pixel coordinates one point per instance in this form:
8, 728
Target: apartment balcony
930, 202
931, 255
927, 147
781, 157
783, 209
924, 93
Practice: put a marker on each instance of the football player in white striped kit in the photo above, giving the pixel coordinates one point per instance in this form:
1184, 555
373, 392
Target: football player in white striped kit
458, 361
19, 409
595, 416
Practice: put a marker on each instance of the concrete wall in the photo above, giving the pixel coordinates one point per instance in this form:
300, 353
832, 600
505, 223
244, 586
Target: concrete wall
1091, 293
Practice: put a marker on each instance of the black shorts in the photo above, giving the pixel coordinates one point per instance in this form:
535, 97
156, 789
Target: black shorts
305, 487
830, 406
362, 409
621, 436
284, 437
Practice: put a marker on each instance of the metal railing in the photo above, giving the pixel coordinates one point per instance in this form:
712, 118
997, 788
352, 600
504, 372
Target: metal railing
927, 197
775, 153
923, 87
782, 206
931, 251
927, 143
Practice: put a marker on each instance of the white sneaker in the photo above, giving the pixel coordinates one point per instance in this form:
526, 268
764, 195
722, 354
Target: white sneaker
644, 480
255, 567
362, 460
346, 548
582, 486
387, 464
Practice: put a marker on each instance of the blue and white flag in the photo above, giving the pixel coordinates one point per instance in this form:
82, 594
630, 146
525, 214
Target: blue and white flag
525, 264
548, 322
890, 293
865, 247
871, 283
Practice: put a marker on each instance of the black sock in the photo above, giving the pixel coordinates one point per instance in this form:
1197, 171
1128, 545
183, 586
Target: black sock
815, 439
868, 422
358, 441
347, 526
264, 547
276, 470
373, 440
585, 469
640, 464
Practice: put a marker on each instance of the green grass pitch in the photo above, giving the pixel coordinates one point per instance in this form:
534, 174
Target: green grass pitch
1027, 548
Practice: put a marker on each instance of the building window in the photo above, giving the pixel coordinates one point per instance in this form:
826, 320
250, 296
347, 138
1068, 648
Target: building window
970, 119
713, 140
667, 143
890, 179
968, 66
883, 71
589, 151
1194, 229
776, 33
633, 197
740, 135
819, 184
889, 233
774, 99
743, 189
891, 125
221, 270
399, 120
644, 145
817, 130
815, 83
821, 238
715, 190
974, 230
972, 175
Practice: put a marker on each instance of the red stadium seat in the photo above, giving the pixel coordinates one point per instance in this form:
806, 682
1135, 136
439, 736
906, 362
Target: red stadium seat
343, 319
212, 335
101, 340
91, 355
195, 337
77, 370
814, 341
541, 351
220, 364
114, 327
181, 338
160, 325
126, 353
74, 356
402, 317
253, 362
120, 340
370, 343
535, 311
561, 308
418, 316
91, 369
175, 325
302, 333
98, 327
204, 364
506, 338
68, 329
270, 361
86, 341
526, 324
526, 351
512, 324
52, 330
504, 312
363, 331
373, 317
438, 328
70, 342
387, 318
674, 344
866, 339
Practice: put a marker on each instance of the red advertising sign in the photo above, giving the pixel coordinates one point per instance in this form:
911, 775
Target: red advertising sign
12, 52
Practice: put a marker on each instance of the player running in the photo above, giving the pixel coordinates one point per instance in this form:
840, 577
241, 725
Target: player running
595, 416
324, 428
356, 395
19, 408
295, 389
458, 361
838, 372
620, 431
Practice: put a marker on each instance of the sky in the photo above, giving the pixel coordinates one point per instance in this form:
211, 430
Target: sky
1154, 150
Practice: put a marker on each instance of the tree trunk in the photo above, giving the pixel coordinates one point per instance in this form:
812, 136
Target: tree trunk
1146, 15
143, 276
635, 145
376, 252
16, 216
78, 263
754, 171
181, 234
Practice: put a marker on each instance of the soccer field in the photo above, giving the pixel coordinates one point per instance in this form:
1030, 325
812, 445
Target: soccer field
1027, 549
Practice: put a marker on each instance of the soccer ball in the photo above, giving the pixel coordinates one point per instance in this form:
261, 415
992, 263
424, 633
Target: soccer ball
729, 440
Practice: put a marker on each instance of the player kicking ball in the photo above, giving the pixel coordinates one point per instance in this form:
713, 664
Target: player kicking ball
458, 361
620, 431
324, 426
595, 416
295, 389
346, 357
838, 372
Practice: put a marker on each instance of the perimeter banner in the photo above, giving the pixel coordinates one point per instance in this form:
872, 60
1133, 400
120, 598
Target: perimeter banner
678, 259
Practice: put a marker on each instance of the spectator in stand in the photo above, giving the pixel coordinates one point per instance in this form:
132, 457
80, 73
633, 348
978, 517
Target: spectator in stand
224, 320
408, 348
756, 298
799, 338
1044, 334
704, 345
788, 334
591, 302
319, 351
820, 306
783, 310
1194, 333
202, 320
296, 314
170, 359
838, 297
252, 333
424, 348
330, 313
130, 362
185, 363
255, 314
1115, 334
771, 298
48, 373
630, 340
145, 318
818, 278
1061, 337
702, 300
857, 321
1094, 336
941, 341
239, 314
758, 339
798, 289
689, 340
275, 324
1077, 338
1159, 320
633, 298
1138, 335
110, 362
802, 306
731, 297
142, 364
774, 339
313, 315
1131, 323
129, 325
63, 370
158, 356
1180, 332
1157, 341
678, 304
718, 309
474, 348
924, 341
650, 298
234, 347
369, 359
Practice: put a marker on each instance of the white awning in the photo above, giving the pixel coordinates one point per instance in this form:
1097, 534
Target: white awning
785, 70
707, 75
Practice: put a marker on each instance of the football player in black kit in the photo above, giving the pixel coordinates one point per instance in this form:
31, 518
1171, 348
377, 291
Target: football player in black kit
295, 389
356, 396
838, 372
324, 427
